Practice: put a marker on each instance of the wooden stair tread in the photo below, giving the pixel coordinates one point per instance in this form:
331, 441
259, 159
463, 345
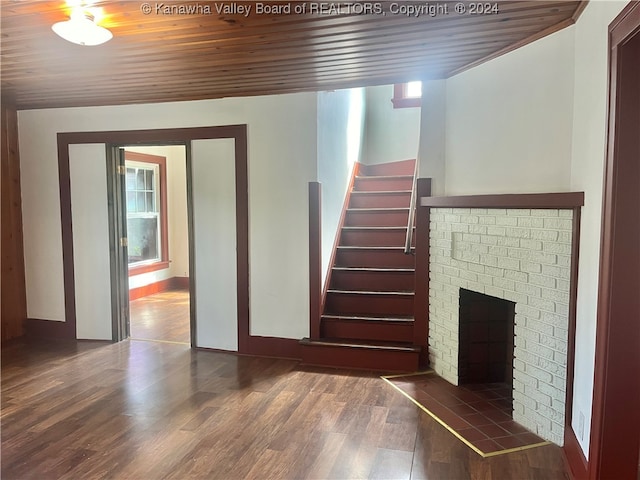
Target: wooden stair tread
367, 319
380, 192
360, 318
367, 292
378, 209
371, 269
365, 345
352, 247
375, 228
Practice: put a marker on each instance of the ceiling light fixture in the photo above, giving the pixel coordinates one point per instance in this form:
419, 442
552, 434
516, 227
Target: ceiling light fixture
82, 29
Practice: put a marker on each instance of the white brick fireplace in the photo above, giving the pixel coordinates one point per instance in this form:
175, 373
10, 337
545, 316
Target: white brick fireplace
520, 255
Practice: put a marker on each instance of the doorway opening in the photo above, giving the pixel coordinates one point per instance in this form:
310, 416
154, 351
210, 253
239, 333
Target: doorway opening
157, 232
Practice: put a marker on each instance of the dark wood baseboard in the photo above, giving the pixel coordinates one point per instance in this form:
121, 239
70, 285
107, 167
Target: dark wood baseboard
576, 462
49, 329
180, 283
173, 283
273, 347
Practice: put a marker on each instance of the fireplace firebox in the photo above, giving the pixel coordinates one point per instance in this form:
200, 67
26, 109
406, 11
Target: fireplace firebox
485, 338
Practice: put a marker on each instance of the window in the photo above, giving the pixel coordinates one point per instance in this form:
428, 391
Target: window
407, 95
146, 212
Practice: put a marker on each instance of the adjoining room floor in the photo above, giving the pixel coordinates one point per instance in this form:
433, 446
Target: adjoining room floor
162, 316
480, 415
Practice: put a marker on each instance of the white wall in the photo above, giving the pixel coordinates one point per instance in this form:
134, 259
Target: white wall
91, 261
214, 219
391, 134
340, 131
587, 167
432, 148
176, 215
42, 236
282, 160
177, 205
509, 121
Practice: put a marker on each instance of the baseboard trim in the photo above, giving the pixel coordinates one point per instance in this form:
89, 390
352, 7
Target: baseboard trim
276, 347
35, 327
271, 347
180, 283
576, 461
173, 283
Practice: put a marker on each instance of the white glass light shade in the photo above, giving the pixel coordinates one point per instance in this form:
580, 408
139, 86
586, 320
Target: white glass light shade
82, 29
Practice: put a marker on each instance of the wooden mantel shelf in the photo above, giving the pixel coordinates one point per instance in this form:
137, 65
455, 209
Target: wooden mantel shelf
521, 200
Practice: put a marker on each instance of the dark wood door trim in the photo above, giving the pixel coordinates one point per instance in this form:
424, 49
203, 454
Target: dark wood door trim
615, 420
14, 301
178, 136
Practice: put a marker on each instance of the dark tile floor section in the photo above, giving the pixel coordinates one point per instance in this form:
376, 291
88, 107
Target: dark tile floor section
481, 414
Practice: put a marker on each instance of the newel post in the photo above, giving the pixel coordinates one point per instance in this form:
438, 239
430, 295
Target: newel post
421, 297
315, 259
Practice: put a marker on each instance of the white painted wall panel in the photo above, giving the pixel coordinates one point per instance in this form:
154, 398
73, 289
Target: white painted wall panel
391, 134
431, 156
282, 162
509, 121
340, 131
214, 215
89, 213
42, 234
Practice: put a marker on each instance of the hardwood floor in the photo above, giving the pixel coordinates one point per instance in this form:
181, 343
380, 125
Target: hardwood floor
161, 316
147, 410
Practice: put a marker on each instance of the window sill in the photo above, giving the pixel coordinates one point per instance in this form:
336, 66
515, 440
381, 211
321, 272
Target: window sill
151, 267
406, 102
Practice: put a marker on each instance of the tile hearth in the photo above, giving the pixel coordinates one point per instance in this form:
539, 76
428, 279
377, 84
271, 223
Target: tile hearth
479, 415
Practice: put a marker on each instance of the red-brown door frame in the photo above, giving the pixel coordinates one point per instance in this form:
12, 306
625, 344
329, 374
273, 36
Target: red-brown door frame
615, 421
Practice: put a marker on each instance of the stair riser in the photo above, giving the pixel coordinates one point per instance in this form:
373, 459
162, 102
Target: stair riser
378, 238
374, 259
381, 360
379, 200
356, 330
376, 219
404, 167
375, 184
372, 281
347, 304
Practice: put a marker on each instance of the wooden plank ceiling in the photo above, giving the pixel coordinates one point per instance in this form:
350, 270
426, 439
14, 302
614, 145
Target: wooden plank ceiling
162, 56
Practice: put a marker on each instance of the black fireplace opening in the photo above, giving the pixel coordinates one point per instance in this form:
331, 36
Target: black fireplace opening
485, 340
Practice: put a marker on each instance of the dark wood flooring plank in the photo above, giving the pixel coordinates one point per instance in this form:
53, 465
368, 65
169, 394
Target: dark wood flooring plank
157, 410
161, 316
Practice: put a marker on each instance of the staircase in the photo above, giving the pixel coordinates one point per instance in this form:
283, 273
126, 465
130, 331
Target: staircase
367, 315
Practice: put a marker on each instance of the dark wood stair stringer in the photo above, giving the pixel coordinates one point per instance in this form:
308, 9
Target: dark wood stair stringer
367, 317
